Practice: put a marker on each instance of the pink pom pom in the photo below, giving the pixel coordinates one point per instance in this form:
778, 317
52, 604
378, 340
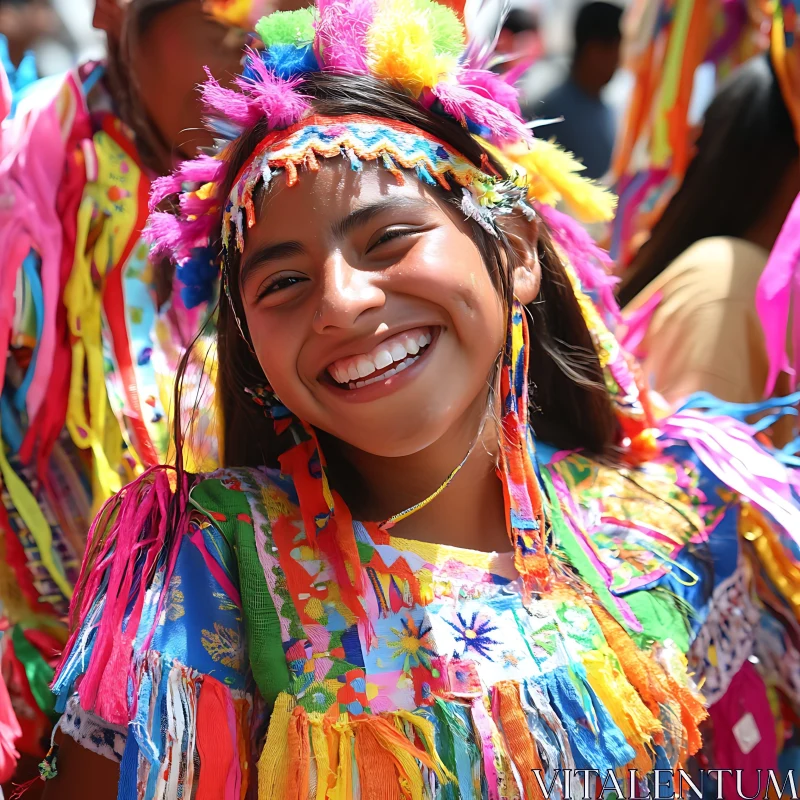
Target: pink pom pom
341, 42
237, 107
201, 170
272, 97
492, 86
463, 103
162, 188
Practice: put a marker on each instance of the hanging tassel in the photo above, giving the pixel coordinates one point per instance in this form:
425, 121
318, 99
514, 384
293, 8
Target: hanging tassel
584, 742
299, 756
653, 683
342, 787
273, 764
629, 713
377, 769
483, 727
519, 743
319, 747
215, 750
520, 483
458, 754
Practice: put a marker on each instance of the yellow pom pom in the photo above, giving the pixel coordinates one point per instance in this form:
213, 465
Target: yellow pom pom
402, 47
553, 174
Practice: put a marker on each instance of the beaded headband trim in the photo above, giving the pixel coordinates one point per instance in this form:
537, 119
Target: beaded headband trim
394, 145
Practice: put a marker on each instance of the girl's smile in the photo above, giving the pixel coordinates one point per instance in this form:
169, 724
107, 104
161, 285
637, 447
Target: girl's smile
386, 368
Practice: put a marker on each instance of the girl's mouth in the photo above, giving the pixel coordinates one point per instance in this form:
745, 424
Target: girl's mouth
389, 358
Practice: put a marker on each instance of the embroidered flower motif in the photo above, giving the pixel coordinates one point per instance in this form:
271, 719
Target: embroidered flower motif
413, 644
474, 635
224, 645
225, 603
175, 609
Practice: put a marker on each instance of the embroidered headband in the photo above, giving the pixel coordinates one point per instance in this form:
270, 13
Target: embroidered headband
393, 145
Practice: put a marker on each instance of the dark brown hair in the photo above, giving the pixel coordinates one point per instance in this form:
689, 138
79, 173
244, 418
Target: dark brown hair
573, 408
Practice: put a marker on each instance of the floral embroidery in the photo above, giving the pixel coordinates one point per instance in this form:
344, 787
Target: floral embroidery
474, 635
413, 644
224, 645
175, 609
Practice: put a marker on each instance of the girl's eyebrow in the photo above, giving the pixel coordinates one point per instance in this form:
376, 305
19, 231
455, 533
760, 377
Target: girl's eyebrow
271, 252
360, 216
340, 229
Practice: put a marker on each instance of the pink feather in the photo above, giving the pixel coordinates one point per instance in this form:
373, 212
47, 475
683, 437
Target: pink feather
341, 42
464, 103
491, 86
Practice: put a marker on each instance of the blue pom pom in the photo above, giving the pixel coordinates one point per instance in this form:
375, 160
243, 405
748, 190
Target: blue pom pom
199, 276
288, 61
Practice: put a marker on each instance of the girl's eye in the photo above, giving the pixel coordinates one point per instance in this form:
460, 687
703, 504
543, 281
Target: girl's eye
390, 234
278, 284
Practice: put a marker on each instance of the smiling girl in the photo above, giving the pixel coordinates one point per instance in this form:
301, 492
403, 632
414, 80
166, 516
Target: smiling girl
451, 555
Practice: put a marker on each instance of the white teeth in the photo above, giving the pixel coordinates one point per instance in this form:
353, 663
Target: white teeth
401, 353
365, 367
398, 352
387, 374
383, 358
411, 345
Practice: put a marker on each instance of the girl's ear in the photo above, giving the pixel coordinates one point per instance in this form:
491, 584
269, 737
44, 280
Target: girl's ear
523, 236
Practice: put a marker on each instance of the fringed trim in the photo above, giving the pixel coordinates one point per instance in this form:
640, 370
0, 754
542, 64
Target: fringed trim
184, 719
133, 532
510, 743
655, 684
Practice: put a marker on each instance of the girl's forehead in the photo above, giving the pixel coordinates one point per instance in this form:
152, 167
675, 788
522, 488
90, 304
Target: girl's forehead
333, 191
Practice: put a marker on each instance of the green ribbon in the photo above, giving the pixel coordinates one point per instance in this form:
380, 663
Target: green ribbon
38, 671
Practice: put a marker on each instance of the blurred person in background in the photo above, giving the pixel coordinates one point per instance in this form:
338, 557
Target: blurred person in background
589, 127
690, 290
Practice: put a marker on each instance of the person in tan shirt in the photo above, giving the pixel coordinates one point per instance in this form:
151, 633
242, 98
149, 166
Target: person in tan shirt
693, 284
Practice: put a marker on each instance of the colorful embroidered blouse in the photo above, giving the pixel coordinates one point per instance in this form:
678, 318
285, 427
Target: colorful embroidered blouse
453, 684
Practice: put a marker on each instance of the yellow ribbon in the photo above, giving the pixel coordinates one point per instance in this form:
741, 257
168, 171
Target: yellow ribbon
28, 509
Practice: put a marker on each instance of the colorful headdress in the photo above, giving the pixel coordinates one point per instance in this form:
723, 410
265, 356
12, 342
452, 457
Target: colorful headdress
419, 47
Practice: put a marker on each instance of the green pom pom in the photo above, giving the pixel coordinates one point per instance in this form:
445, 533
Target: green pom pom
446, 28
287, 27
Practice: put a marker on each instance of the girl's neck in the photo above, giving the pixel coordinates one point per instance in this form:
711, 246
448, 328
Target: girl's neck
469, 513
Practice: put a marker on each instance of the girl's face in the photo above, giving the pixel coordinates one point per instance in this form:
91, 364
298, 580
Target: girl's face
369, 307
